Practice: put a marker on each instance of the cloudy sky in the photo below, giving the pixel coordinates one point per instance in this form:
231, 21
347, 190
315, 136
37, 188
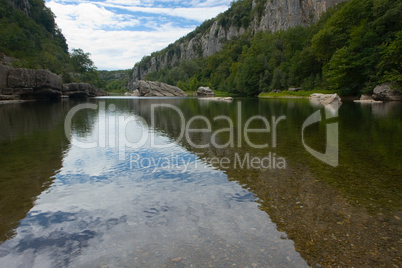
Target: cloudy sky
118, 33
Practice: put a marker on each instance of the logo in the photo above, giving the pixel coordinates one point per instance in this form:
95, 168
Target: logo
331, 155
122, 131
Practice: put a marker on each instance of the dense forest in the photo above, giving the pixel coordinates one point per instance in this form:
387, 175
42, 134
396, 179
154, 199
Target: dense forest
352, 48
30, 35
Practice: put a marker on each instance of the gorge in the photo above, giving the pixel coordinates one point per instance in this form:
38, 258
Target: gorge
254, 16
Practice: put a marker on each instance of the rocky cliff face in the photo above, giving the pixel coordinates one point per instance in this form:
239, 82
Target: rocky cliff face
273, 15
18, 83
26, 84
22, 5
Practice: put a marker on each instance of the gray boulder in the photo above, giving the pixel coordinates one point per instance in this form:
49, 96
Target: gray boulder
387, 92
325, 99
204, 92
157, 89
294, 89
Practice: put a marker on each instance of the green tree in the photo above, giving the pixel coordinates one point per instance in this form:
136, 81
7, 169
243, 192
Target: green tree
390, 66
81, 61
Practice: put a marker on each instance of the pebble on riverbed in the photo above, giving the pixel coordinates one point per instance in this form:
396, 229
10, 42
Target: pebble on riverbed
178, 259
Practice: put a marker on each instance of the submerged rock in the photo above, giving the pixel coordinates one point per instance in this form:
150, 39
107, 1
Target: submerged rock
157, 89
387, 92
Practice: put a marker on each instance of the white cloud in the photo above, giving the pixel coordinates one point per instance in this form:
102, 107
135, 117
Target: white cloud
118, 33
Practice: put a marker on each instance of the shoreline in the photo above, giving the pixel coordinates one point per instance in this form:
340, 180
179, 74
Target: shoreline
283, 97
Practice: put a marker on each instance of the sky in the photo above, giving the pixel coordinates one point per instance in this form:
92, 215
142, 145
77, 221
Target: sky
119, 33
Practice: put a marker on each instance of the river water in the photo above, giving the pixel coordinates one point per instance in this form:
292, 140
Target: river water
183, 182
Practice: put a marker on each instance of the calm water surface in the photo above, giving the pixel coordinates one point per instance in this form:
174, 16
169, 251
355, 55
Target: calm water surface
193, 204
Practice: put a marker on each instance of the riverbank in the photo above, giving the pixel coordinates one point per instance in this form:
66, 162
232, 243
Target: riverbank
217, 93
294, 94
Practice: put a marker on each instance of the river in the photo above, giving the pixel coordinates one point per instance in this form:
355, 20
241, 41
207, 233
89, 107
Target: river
185, 182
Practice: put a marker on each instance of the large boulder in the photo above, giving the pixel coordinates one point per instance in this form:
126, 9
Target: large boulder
82, 90
331, 102
35, 79
157, 89
387, 92
325, 99
204, 92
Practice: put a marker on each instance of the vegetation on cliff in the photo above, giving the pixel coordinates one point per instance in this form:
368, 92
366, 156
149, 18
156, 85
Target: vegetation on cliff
30, 35
352, 48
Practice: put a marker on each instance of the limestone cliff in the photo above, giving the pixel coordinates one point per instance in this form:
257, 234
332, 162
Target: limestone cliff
260, 15
27, 84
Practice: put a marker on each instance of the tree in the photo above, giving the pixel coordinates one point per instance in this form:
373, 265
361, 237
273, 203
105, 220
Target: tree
81, 61
390, 67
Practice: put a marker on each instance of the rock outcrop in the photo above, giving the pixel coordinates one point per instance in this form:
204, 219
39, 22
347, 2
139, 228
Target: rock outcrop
26, 84
275, 15
16, 83
82, 90
387, 92
156, 89
204, 92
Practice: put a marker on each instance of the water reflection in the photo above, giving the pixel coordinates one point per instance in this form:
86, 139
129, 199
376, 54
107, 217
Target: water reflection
32, 145
100, 211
